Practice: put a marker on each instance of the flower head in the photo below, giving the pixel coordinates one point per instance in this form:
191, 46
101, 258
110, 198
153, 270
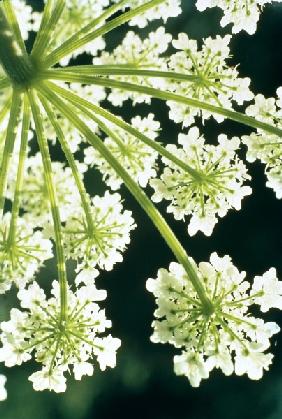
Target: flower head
102, 245
219, 187
214, 82
21, 254
243, 15
57, 341
228, 337
264, 146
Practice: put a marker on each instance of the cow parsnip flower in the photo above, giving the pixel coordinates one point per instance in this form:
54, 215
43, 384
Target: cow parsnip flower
228, 337
218, 189
58, 345
215, 82
136, 157
22, 253
101, 244
242, 15
267, 147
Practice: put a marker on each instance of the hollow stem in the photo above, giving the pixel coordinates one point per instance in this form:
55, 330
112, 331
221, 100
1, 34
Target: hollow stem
136, 191
126, 70
69, 156
163, 95
13, 58
40, 48
20, 171
43, 145
86, 105
9, 145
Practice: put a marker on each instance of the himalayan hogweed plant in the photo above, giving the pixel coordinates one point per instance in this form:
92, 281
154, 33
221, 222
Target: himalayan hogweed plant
205, 310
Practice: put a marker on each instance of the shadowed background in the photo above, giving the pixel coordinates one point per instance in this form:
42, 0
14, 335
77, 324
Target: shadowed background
143, 383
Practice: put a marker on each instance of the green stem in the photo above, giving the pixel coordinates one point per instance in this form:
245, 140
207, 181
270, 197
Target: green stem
5, 109
117, 70
43, 29
84, 105
19, 181
80, 186
43, 145
159, 94
135, 190
45, 36
11, 18
9, 145
4, 82
76, 41
15, 62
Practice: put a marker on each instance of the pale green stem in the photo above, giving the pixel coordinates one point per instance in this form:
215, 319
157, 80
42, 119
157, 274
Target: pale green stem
15, 62
43, 29
74, 43
117, 70
159, 94
65, 147
20, 172
12, 19
43, 145
78, 101
9, 145
136, 191
5, 109
4, 82
40, 49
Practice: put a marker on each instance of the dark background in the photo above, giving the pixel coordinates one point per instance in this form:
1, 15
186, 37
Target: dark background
143, 383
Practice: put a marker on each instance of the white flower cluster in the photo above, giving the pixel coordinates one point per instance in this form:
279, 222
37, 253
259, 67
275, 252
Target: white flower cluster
215, 82
164, 10
56, 343
227, 336
136, 53
137, 158
100, 245
21, 254
244, 15
218, 188
267, 147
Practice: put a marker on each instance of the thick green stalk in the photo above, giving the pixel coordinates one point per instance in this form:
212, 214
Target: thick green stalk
9, 145
41, 47
5, 109
85, 105
43, 145
75, 42
126, 70
43, 29
136, 191
159, 94
20, 171
11, 17
4, 82
14, 60
65, 147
